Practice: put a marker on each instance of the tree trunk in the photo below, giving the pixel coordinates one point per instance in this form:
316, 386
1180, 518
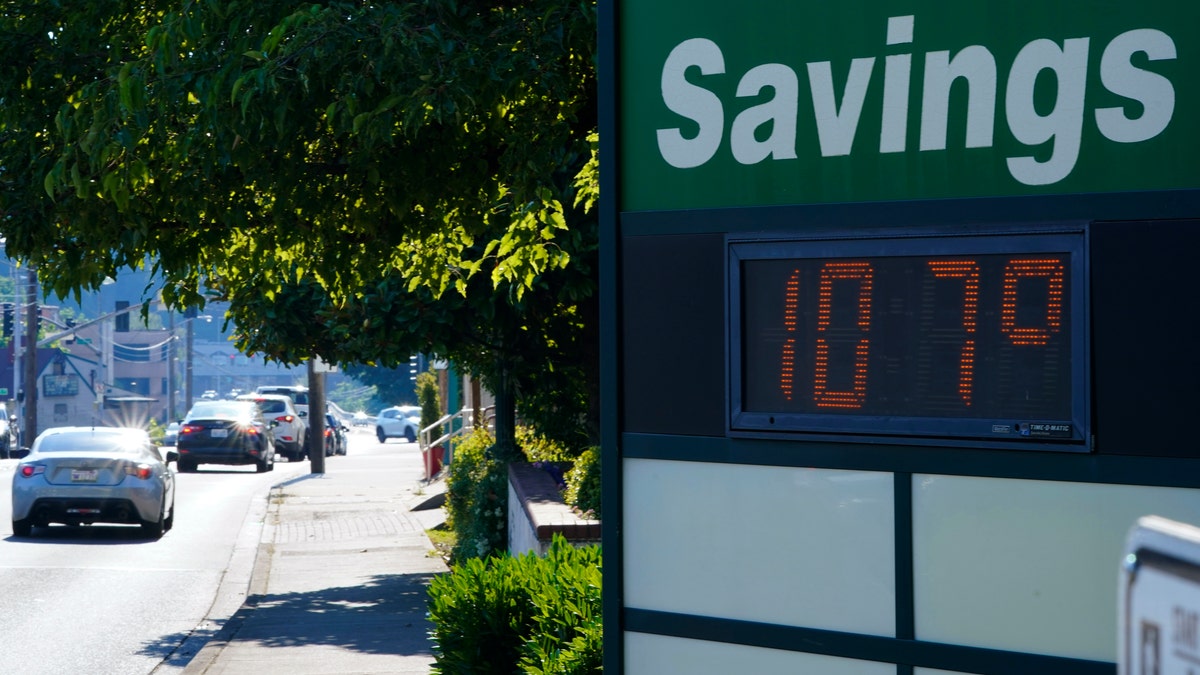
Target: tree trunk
506, 449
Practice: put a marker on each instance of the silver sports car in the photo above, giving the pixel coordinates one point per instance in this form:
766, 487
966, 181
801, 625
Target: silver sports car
84, 475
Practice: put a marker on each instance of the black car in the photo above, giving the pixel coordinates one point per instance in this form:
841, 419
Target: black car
225, 432
335, 436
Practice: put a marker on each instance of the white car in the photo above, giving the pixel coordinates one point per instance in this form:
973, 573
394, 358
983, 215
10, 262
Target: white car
290, 427
85, 475
398, 422
299, 396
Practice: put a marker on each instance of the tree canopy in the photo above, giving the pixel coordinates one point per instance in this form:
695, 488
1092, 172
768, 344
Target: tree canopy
362, 181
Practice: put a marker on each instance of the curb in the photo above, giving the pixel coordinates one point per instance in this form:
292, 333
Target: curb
250, 560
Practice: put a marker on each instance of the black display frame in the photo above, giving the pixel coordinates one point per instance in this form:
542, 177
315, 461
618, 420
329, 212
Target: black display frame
1069, 239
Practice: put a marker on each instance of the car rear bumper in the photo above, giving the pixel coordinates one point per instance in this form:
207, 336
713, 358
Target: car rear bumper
90, 504
210, 455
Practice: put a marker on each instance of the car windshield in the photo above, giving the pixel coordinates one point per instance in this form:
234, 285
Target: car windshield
219, 410
89, 441
298, 397
272, 406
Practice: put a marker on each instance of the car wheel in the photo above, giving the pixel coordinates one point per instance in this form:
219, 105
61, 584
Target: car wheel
185, 466
154, 529
22, 527
169, 521
261, 466
380, 435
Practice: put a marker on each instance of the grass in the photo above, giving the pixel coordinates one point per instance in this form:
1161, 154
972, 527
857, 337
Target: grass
443, 540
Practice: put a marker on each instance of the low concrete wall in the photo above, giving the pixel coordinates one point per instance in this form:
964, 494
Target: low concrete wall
536, 512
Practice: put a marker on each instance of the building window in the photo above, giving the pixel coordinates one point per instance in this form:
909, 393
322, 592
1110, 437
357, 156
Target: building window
122, 320
137, 385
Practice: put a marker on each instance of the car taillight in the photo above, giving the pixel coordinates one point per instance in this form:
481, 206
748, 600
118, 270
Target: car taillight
253, 431
31, 470
285, 418
189, 429
142, 471
328, 432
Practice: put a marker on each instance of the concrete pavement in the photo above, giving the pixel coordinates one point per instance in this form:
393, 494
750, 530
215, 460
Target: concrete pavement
339, 574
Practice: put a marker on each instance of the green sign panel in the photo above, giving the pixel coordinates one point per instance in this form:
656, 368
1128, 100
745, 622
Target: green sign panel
760, 102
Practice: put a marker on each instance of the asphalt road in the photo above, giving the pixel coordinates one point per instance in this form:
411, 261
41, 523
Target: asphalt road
101, 599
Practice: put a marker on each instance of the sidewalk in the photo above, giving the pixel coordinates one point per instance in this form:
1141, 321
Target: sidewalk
339, 581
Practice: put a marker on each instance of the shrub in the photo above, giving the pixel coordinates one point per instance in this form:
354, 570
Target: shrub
520, 614
156, 430
429, 398
568, 632
583, 483
539, 448
477, 499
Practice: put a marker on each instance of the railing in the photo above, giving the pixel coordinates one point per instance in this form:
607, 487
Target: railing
465, 419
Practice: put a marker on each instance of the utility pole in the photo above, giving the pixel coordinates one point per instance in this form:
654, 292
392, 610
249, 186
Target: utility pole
171, 350
316, 415
187, 376
31, 365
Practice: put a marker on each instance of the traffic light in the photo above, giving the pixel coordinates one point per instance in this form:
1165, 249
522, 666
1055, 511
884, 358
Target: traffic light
8, 319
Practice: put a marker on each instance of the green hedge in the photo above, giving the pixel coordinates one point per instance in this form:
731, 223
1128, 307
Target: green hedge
583, 483
477, 499
522, 614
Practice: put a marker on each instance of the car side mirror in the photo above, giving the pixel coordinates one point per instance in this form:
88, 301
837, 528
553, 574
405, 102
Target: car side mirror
302, 413
172, 456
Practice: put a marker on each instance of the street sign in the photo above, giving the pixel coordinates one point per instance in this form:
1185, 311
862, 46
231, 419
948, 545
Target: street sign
1159, 620
320, 366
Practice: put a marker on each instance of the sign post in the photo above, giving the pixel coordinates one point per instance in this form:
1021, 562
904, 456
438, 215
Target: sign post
1159, 629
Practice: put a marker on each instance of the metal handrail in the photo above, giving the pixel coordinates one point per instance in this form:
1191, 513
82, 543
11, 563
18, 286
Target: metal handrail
466, 416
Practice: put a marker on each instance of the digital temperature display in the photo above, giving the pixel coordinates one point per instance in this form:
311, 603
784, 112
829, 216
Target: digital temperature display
972, 337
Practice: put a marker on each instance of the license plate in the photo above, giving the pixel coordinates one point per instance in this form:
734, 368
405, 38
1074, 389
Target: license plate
84, 475
219, 433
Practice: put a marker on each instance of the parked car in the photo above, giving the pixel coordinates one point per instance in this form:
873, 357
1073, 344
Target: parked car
335, 436
225, 432
290, 428
8, 434
85, 475
397, 422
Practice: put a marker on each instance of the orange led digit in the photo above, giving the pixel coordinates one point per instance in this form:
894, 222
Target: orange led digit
787, 371
861, 273
968, 271
1050, 270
